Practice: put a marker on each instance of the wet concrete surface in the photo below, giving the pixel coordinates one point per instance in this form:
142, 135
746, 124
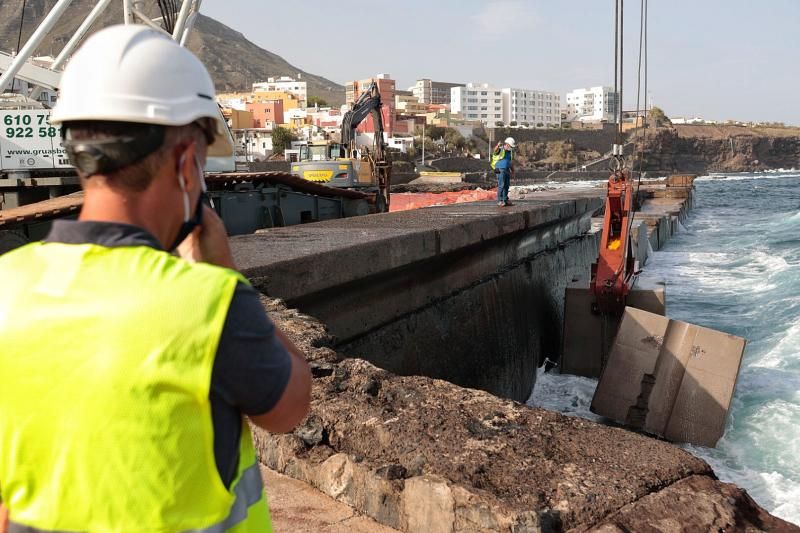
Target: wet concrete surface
289, 262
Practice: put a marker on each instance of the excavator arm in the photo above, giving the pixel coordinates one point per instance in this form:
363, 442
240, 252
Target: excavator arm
368, 103
614, 272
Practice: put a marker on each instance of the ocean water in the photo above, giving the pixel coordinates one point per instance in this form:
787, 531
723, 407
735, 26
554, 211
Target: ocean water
735, 267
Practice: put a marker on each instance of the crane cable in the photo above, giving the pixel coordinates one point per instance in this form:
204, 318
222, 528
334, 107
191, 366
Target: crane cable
169, 13
639, 112
616, 68
618, 57
642, 113
621, 67
19, 37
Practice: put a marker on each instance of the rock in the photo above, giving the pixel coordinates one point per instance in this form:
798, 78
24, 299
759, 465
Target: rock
371, 387
321, 370
697, 503
311, 431
391, 472
416, 467
428, 505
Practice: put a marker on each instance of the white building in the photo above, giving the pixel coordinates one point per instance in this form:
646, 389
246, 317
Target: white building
478, 102
540, 109
592, 105
253, 144
233, 101
284, 84
427, 91
491, 105
691, 120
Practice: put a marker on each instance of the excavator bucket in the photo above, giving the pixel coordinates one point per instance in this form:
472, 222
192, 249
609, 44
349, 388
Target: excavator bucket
669, 378
588, 335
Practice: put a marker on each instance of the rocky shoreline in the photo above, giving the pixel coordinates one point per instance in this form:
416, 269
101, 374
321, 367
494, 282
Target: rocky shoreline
705, 149
420, 454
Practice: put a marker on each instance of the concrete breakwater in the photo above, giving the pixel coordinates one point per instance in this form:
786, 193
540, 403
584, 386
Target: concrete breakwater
470, 294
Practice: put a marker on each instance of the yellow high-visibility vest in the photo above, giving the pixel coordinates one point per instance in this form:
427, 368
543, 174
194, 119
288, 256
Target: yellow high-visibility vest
500, 155
105, 371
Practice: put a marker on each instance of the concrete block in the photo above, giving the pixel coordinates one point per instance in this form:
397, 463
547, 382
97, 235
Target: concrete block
438, 178
639, 242
669, 378
681, 180
588, 336
652, 236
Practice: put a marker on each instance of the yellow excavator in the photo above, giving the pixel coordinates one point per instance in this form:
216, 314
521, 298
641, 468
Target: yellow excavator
343, 164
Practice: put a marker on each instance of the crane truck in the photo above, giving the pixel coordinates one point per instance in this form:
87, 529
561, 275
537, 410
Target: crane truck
38, 184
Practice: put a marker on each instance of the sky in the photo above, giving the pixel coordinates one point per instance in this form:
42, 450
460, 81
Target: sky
717, 59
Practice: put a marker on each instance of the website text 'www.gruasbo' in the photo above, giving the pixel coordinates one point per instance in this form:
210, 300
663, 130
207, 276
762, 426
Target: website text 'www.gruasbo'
43, 151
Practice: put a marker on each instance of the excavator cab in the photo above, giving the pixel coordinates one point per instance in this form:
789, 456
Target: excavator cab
334, 164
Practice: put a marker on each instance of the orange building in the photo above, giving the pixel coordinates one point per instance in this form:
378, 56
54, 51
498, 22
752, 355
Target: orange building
238, 119
386, 88
266, 112
290, 101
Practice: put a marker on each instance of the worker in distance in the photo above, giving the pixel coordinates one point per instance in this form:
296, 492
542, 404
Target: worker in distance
128, 372
502, 162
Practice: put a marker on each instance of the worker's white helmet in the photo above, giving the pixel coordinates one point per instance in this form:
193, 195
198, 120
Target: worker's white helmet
511, 142
132, 73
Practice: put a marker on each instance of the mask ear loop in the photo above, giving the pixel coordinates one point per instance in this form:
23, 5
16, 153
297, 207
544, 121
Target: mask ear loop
201, 174
187, 210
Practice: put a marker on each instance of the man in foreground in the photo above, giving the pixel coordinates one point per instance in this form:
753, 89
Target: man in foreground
502, 163
126, 372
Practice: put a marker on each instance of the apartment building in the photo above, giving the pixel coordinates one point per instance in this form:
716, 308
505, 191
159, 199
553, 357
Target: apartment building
266, 114
427, 91
529, 107
239, 100
409, 104
284, 84
290, 100
475, 101
595, 104
386, 88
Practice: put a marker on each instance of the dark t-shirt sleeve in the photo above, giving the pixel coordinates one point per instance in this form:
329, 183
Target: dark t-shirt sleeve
252, 367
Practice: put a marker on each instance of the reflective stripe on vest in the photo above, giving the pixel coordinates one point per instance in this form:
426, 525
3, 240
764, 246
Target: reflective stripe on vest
105, 371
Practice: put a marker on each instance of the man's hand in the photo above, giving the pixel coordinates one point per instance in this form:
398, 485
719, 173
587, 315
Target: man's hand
208, 243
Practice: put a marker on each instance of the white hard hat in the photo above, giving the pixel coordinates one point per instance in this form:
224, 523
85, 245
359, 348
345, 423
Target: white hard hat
511, 142
131, 73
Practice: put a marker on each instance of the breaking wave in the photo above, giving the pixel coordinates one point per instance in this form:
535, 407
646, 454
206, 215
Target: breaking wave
736, 267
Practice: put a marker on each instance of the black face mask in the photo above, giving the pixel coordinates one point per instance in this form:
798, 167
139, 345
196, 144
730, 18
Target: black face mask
188, 226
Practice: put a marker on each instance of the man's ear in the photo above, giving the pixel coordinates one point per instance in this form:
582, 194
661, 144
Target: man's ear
188, 168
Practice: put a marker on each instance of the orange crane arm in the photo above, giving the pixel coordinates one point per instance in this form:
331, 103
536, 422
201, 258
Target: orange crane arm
613, 273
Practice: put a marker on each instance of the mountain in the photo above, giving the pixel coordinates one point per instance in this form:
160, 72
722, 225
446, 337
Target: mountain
233, 61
